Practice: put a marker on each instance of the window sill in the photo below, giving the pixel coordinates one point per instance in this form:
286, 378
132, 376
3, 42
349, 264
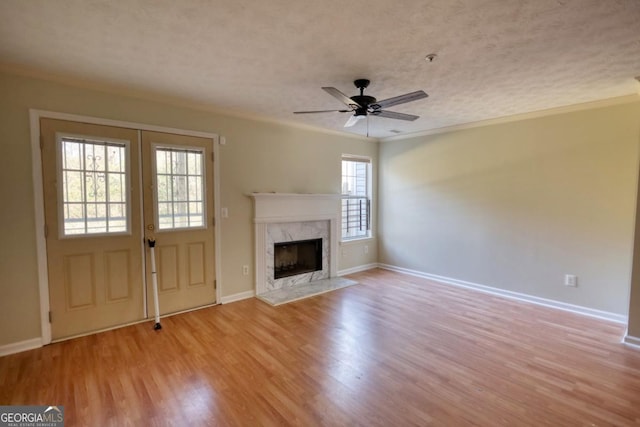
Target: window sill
355, 240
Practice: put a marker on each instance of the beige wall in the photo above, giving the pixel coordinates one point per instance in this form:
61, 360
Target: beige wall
518, 205
633, 329
515, 206
259, 156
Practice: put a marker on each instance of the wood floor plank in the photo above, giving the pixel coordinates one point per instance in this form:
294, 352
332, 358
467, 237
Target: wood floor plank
392, 350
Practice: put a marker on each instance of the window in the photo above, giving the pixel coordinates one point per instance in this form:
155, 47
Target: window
180, 188
356, 199
95, 180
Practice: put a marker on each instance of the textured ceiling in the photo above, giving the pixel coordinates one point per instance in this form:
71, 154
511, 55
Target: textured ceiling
269, 58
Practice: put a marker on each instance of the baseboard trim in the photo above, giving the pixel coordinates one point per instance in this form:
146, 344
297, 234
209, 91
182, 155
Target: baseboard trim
631, 341
237, 297
586, 311
21, 346
357, 269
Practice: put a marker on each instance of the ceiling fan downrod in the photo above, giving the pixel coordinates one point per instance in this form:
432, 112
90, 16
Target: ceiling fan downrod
361, 84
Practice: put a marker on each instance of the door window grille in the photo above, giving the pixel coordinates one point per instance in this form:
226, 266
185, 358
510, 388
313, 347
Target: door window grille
180, 188
94, 176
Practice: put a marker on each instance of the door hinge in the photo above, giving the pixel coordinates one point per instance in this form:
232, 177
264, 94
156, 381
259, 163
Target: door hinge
41, 142
215, 285
213, 221
49, 317
46, 231
213, 157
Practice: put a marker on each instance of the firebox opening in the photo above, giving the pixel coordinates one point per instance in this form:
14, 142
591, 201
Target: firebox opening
292, 258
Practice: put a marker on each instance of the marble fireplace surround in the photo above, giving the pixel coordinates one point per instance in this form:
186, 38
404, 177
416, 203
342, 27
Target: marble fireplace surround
283, 217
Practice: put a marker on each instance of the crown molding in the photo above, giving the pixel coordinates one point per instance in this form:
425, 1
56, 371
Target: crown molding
619, 100
175, 101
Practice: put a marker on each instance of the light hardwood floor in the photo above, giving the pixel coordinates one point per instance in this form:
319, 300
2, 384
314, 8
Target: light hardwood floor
394, 350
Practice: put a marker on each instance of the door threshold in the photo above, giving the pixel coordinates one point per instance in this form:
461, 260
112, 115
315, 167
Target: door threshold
124, 325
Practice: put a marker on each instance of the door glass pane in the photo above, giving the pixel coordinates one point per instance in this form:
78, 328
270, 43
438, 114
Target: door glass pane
179, 189
94, 183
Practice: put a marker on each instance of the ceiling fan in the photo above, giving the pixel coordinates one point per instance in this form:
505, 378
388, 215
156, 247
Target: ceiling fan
363, 105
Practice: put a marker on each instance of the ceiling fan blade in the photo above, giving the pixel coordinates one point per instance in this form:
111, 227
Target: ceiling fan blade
353, 120
322, 111
394, 115
342, 97
407, 97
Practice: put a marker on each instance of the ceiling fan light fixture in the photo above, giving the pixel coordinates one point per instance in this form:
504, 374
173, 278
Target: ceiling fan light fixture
354, 119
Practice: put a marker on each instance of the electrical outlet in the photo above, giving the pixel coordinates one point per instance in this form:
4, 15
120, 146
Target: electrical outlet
245, 270
571, 280
366, 249
224, 212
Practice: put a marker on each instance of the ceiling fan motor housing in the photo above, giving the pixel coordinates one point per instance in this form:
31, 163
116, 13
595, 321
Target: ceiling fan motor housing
364, 101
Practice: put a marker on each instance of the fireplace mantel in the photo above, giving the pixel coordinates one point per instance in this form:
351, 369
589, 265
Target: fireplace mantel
282, 208
291, 207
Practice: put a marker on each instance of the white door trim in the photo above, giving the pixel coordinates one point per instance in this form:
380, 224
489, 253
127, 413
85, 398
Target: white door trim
36, 167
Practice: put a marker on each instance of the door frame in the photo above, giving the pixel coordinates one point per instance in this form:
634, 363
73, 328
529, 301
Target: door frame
36, 166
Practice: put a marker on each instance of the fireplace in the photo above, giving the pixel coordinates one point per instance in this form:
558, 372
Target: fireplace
283, 234
282, 219
299, 257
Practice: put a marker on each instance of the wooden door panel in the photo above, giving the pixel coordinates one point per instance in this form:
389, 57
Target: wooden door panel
95, 278
196, 264
117, 275
185, 254
80, 281
168, 268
